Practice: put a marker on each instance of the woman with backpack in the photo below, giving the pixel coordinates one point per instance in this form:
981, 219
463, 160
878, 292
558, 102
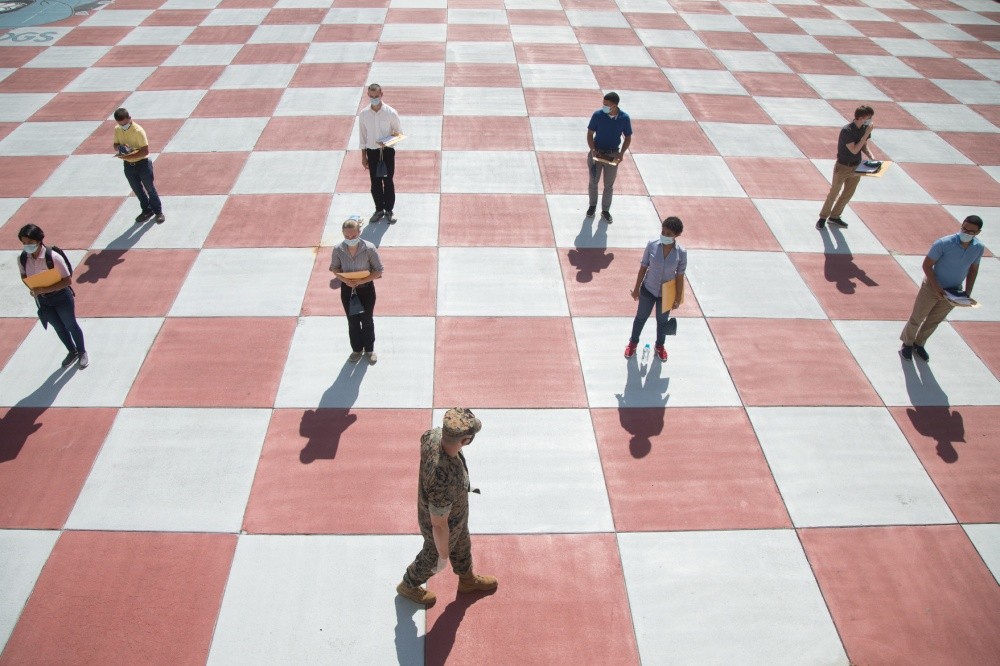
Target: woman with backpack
56, 302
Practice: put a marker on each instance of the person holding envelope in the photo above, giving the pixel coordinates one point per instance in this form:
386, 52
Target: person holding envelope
663, 264
50, 287
356, 264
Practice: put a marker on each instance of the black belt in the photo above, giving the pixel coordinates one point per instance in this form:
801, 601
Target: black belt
848, 165
144, 159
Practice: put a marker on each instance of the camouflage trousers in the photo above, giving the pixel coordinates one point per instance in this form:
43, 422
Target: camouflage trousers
459, 548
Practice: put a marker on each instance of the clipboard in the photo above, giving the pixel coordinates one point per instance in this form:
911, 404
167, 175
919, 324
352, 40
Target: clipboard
613, 163
46, 278
391, 140
668, 294
877, 174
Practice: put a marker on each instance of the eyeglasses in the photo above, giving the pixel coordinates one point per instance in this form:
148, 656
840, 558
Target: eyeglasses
971, 232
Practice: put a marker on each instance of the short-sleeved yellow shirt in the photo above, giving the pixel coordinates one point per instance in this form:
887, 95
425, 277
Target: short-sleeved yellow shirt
134, 137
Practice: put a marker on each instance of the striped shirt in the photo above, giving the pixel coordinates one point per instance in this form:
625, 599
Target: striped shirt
366, 259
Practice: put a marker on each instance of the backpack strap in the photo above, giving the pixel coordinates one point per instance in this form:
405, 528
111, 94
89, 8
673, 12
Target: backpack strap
51, 264
23, 259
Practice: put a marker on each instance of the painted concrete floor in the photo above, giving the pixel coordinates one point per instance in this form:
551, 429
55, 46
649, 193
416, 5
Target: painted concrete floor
221, 485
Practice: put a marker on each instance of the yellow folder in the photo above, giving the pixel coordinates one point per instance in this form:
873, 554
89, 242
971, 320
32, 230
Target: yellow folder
46, 278
669, 293
353, 275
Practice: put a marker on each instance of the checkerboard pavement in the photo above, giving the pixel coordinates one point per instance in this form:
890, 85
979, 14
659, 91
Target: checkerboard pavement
221, 486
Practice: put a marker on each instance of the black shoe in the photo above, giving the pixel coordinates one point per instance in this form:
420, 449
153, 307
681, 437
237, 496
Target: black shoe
376, 216
922, 353
591, 211
70, 359
836, 221
820, 223
160, 218
389, 217
143, 216
606, 216
907, 352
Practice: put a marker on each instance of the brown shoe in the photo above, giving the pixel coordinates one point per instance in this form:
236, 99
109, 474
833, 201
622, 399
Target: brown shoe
420, 595
475, 583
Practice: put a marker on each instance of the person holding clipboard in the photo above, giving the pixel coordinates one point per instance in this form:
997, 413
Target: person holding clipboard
661, 273
604, 136
357, 265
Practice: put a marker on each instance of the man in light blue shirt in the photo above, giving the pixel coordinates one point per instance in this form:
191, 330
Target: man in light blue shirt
951, 261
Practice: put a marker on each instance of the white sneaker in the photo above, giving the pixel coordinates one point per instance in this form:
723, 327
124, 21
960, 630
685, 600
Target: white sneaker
82, 361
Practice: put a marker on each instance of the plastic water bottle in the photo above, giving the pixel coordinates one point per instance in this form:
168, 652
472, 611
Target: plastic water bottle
645, 354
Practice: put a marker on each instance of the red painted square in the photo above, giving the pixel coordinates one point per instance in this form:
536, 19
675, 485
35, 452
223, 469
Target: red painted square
476, 33
564, 102
125, 597
159, 131
476, 4
421, 101
768, 84
271, 54
21, 176
816, 63
632, 78
686, 469
251, 220
604, 5
182, 78
810, 11
903, 595
814, 142
509, 372
651, 21
732, 41
698, 7
864, 286
135, 56
198, 173
325, 133
361, 32
989, 111
295, 16
486, 133
169, 17
769, 374
984, 339
621, 36
242, 103
551, 54
79, 106
324, 458
407, 15
550, 614
409, 52
416, 171
322, 75
69, 222
771, 25
14, 58
913, 15
408, 288
218, 348
145, 283
957, 446
883, 29
598, 281
38, 79
483, 220
912, 90
7, 128
943, 68
890, 115
851, 45
46, 456
779, 178
12, 333
221, 34
725, 109
985, 33
670, 137
685, 58
95, 36
956, 184
906, 228
566, 173
481, 75
536, 17
719, 223
966, 49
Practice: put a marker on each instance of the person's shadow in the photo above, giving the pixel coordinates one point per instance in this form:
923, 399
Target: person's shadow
373, 233
409, 647
932, 415
325, 425
441, 638
22, 420
589, 254
642, 404
839, 266
100, 264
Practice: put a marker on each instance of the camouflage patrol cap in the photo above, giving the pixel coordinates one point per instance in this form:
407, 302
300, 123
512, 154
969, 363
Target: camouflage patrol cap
460, 423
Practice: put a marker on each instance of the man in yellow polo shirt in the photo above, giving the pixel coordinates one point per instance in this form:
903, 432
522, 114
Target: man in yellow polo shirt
132, 148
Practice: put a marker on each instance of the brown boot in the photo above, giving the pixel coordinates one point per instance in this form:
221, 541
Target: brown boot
471, 582
419, 594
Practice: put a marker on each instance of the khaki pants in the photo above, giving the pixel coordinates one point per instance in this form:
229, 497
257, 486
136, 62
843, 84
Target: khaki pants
843, 177
928, 311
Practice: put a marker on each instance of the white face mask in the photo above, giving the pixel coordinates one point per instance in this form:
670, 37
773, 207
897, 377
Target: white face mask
964, 237
375, 101
30, 249
125, 126
667, 240
351, 242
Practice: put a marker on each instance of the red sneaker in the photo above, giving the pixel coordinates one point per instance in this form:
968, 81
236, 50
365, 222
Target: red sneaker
661, 351
630, 350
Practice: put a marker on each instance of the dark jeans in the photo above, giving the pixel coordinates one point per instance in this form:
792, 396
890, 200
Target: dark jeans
646, 303
59, 309
383, 190
140, 179
361, 328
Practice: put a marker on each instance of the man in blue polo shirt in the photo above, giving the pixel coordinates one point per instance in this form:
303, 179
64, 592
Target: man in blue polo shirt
604, 135
951, 261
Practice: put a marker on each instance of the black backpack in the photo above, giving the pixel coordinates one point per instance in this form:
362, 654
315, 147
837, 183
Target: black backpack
48, 259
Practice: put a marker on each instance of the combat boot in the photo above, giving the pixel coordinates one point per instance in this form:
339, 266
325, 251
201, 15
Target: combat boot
471, 582
419, 594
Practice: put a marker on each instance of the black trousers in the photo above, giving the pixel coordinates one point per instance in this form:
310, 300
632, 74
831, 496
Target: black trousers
383, 190
361, 328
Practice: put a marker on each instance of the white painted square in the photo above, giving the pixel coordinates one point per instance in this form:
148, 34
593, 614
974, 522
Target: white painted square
86, 176
987, 281
116, 347
708, 81
713, 22
490, 172
740, 283
839, 466
647, 6
357, 16
468, 101
109, 79
48, 138
163, 103
18, 107
693, 376
743, 140
189, 221
558, 76
955, 375
200, 55
9, 206
737, 597
938, 32
277, 603
177, 470
636, 222
470, 282
988, 68
781, 43
417, 214
329, 52
477, 16
243, 16
557, 133
677, 39
210, 135
921, 146
283, 34
289, 172
260, 282
917, 48
318, 102
596, 19
542, 34
962, 18
948, 117
688, 175
827, 27
791, 221
649, 105
986, 539
895, 186
157, 35
117, 17
22, 555
407, 73
414, 32
970, 92
318, 374
480, 52
858, 14
68, 56
752, 9
190, 4
254, 76
803, 111
751, 61
610, 55
880, 66
839, 86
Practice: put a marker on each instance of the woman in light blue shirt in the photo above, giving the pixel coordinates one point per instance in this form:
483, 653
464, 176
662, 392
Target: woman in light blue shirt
662, 261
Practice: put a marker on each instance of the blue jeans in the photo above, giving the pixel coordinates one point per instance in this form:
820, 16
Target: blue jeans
59, 309
646, 303
140, 178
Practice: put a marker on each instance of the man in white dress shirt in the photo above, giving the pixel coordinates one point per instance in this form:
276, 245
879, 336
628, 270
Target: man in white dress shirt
378, 121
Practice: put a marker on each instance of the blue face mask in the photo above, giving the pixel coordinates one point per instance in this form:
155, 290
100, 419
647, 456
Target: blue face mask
667, 240
607, 109
30, 249
375, 101
351, 242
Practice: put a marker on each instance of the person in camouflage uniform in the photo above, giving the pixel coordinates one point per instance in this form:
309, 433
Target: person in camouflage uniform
443, 510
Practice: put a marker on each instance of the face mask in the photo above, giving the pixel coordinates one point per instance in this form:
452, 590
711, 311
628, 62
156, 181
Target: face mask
607, 109
30, 249
126, 126
964, 237
351, 242
867, 123
375, 101
667, 240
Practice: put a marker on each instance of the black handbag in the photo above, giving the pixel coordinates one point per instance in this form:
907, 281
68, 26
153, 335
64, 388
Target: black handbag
354, 306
